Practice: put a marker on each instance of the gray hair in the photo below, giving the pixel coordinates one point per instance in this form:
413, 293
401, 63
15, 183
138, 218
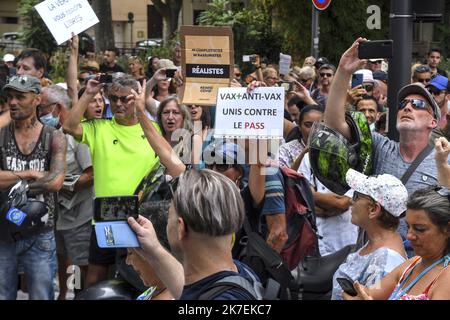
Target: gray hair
435, 205
209, 203
58, 94
307, 72
122, 80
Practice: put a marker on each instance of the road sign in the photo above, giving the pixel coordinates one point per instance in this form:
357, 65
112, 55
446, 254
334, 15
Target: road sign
321, 4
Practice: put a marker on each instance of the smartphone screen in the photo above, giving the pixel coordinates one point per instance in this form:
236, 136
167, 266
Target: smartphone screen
105, 78
115, 208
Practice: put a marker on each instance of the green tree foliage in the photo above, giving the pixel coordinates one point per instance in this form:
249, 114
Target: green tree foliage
35, 33
340, 24
252, 29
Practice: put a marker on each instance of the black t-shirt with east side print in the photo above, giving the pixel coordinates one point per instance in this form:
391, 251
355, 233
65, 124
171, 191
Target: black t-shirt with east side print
12, 159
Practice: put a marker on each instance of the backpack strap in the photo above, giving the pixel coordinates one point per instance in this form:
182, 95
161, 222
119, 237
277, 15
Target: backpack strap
220, 286
418, 160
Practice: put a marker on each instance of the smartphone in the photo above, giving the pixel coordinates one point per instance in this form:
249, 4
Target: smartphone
105, 78
357, 79
170, 73
287, 85
115, 208
347, 286
246, 58
376, 49
253, 58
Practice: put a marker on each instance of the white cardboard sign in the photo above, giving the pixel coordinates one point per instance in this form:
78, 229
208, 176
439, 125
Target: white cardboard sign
285, 63
63, 17
258, 114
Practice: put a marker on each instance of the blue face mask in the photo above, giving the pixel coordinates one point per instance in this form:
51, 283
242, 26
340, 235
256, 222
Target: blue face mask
50, 120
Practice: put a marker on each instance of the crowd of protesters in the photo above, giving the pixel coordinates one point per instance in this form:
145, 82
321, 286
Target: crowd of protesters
108, 126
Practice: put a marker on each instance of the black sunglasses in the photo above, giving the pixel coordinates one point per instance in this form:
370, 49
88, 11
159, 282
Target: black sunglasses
423, 68
424, 81
329, 75
416, 103
114, 98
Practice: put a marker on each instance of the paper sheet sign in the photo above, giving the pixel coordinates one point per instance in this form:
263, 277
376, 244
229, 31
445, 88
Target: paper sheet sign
207, 62
258, 114
63, 17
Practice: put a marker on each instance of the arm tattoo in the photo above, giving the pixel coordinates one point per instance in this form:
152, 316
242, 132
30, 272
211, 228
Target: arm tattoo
57, 163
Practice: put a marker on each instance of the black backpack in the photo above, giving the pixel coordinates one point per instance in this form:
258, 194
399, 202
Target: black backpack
272, 270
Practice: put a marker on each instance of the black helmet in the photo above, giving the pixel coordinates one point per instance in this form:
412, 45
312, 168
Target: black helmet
331, 154
21, 216
114, 289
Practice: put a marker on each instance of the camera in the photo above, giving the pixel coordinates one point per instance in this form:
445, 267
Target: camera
170, 73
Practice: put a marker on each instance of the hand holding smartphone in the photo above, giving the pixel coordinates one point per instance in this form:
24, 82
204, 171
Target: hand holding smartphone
347, 286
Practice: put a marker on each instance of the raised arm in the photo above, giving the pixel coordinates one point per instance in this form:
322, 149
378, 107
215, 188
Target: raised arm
162, 148
72, 125
53, 180
335, 109
442, 147
168, 269
72, 70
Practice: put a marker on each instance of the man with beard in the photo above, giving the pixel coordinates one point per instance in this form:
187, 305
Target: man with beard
37, 153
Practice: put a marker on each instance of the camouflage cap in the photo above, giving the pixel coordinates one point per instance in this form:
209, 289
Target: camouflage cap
24, 84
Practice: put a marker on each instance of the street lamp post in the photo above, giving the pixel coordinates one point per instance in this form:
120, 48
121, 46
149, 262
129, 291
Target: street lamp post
130, 21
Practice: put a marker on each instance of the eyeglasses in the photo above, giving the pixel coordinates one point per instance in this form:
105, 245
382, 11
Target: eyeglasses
377, 62
368, 87
434, 91
416, 103
323, 75
305, 80
424, 80
237, 74
47, 105
357, 195
123, 99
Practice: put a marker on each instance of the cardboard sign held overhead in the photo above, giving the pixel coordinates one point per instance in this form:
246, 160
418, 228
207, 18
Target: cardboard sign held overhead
62, 17
257, 115
207, 58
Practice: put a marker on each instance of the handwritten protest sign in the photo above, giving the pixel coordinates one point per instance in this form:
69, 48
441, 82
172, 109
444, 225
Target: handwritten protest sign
257, 115
207, 62
63, 17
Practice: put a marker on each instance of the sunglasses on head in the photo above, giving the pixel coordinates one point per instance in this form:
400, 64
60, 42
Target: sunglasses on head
323, 75
443, 191
123, 99
423, 68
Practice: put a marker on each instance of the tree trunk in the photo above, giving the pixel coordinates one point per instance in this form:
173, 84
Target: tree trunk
169, 11
104, 35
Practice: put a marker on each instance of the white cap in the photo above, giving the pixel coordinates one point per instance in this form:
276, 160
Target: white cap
385, 189
367, 75
8, 57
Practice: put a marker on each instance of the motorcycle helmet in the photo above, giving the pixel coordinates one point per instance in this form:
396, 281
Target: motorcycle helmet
331, 154
21, 217
114, 289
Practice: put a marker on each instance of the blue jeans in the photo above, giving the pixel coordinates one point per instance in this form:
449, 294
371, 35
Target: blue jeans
37, 255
